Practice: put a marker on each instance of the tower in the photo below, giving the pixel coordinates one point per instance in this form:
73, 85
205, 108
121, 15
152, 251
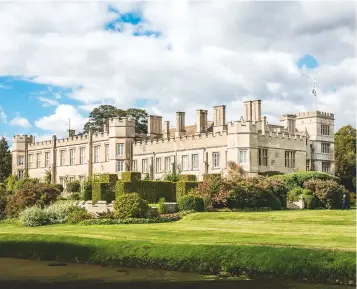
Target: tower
20, 154
320, 144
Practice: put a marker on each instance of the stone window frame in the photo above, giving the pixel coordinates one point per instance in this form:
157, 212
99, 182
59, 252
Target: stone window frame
289, 158
62, 160
82, 149
96, 158
216, 156
120, 152
325, 166
30, 160
158, 165
120, 166
185, 164
38, 159
325, 129
135, 165
47, 161
72, 156
325, 147
193, 162
243, 156
263, 157
107, 152
144, 169
167, 164
20, 158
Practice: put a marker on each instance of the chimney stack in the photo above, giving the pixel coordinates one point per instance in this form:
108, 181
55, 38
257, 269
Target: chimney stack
180, 124
219, 118
154, 125
201, 121
256, 110
289, 122
263, 123
247, 113
71, 132
166, 130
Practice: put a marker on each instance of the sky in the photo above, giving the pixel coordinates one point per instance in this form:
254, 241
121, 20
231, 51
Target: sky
59, 60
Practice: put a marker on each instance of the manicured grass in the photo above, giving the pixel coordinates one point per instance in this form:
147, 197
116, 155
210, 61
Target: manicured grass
318, 245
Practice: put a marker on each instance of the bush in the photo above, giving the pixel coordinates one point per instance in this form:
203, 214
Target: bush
77, 215
11, 183
87, 191
37, 195
74, 187
188, 178
33, 217
309, 199
130, 206
276, 187
297, 179
191, 203
131, 176
210, 190
27, 183
152, 191
352, 199
182, 188
75, 196
58, 212
210, 176
271, 201
161, 206
328, 193
295, 194
102, 192
3, 203
2, 189
244, 193
59, 187
106, 215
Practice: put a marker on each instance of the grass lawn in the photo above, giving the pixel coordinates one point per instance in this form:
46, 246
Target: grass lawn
324, 229
313, 244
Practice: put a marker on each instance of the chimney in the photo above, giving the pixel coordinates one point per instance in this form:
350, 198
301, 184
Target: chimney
263, 123
289, 122
201, 121
154, 125
247, 113
219, 118
166, 130
256, 110
180, 124
106, 127
71, 132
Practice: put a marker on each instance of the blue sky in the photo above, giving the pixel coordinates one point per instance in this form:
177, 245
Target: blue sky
68, 58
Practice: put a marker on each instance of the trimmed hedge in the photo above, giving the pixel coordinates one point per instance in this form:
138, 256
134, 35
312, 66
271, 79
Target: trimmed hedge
105, 178
183, 188
87, 191
297, 179
99, 192
131, 176
190, 202
104, 187
188, 178
208, 176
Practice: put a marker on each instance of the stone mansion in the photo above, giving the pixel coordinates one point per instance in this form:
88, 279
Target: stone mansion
302, 141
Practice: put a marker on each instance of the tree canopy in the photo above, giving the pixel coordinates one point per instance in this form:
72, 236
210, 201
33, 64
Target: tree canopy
5, 160
101, 115
345, 156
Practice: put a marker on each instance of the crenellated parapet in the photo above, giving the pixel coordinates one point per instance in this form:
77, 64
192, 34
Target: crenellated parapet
315, 114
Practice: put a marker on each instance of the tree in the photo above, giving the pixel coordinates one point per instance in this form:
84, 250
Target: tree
345, 156
5, 160
101, 115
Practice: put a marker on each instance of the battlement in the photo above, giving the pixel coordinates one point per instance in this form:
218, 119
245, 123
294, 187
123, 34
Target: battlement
278, 134
322, 114
23, 138
125, 121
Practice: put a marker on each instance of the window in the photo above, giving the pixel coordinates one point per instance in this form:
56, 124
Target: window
289, 159
325, 147
185, 163
31, 161
82, 155
20, 174
243, 156
38, 159
20, 160
72, 156
72, 179
47, 159
215, 160
307, 165
195, 162
120, 149
96, 154
120, 166
62, 159
82, 179
145, 166
325, 129
263, 157
106, 152
158, 165
61, 180
135, 165
167, 164
326, 167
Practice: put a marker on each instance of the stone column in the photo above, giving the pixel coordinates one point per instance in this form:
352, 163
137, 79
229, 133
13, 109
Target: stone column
54, 160
90, 155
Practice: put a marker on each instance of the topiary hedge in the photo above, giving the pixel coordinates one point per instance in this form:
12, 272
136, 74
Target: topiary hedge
87, 191
104, 187
208, 176
131, 176
182, 188
130, 206
105, 178
190, 203
188, 178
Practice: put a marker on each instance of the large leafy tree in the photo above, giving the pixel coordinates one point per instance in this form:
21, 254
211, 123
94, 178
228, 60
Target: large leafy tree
345, 156
5, 160
101, 115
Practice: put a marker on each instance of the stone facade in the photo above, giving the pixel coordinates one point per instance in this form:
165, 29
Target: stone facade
302, 141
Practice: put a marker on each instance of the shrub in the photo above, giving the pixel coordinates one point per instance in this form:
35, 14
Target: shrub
271, 201
352, 199
182, 188
130, 206
102, 192
87, 191
33, 217
106, 215
297, 179
328, 193
276, 187
244, 193
210, 190
161, 206
2, 189
131, 176
59, 187
295, 194
11, 183
27, 183
58, 212
309, 199
74, 187
270, 173
75, 196
122, 188
3, 203
190, 203
187, 178
37, 195
210, 176
77, 215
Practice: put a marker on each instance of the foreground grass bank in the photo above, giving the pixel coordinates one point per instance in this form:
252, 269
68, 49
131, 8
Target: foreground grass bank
316, 245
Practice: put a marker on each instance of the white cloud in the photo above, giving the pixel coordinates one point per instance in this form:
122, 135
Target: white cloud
221, 53
59, 121
2, 86
47, 101
20, 121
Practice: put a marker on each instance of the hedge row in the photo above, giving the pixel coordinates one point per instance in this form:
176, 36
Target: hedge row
103, 187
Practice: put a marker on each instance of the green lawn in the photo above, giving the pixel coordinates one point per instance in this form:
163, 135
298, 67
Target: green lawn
320, 229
